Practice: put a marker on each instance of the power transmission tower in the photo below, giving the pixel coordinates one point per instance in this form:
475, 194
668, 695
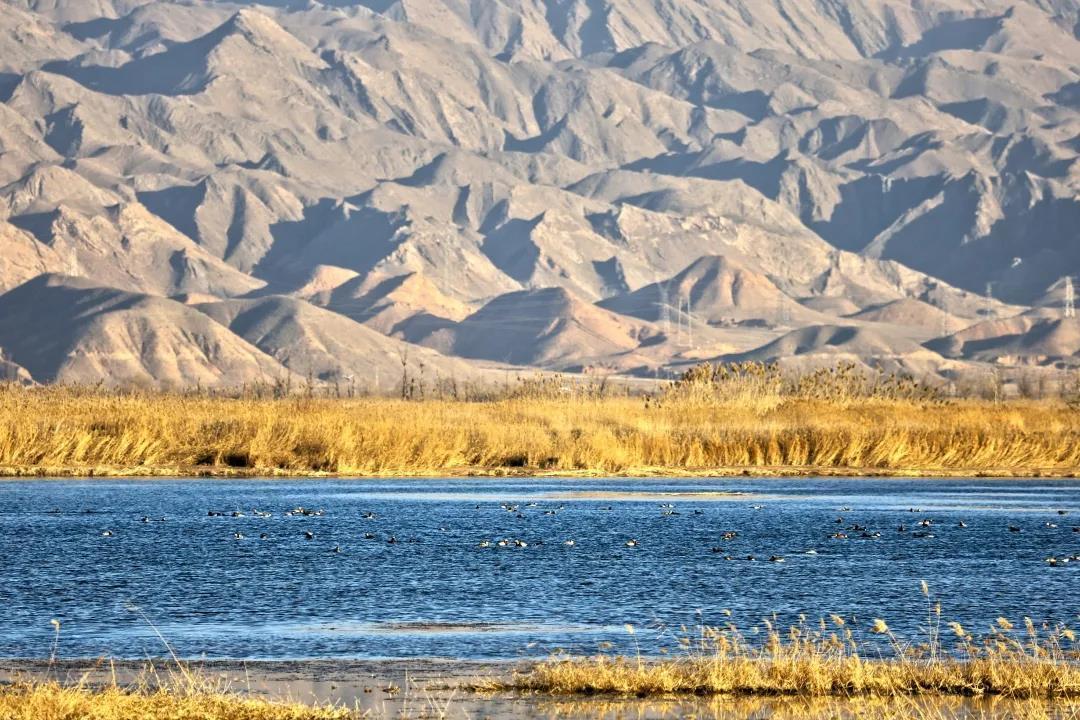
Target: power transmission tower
680, 338
1070, 298
782, 315
690, 320
665, 309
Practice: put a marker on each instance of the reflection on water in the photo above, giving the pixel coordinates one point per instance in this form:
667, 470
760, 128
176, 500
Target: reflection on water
485, 569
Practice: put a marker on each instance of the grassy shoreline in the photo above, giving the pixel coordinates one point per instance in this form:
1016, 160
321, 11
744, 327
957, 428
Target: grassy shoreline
747, 430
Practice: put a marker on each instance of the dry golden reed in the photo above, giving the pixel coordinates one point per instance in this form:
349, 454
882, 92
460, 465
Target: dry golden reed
52, 701
828, 661
716, 420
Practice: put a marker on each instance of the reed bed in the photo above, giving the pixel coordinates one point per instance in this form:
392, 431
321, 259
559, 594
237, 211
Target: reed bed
827, 660
750, 421
49, 700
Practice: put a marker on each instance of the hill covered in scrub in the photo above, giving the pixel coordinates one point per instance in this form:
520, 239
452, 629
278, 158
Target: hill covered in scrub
629, 186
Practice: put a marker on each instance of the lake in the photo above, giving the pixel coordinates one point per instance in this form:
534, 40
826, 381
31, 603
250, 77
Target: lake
118, 562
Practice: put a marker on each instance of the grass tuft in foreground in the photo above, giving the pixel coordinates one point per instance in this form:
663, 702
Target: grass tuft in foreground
52, 701
824, 661
729, 420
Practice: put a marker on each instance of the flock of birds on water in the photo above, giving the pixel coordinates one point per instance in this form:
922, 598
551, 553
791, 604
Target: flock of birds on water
920, 529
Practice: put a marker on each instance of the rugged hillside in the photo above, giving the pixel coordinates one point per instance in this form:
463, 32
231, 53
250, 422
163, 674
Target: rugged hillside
64, 329
424, 167
324, 346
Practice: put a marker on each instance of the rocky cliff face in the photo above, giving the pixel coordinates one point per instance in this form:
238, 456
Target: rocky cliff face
633, 184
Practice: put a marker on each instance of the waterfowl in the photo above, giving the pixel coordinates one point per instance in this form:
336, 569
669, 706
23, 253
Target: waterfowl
717, 550
810, 552
845, 509
1052, 561
1051, 525
961, 524
263, 536
730, 535
926, 523
750, 558
776, 558
757, 507
521, 543
369, 536
371, 516
569, 543
838, 536
107, 533
502, 543
1063, 512
238, 536
391, 540
337, 549
1013, 528
309, 535
237, 514
484, 544
631, 543
922, 535
901, 528
145, 519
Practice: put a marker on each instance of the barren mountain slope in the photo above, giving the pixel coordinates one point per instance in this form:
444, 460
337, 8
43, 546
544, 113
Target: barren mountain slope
422, 165
64, 329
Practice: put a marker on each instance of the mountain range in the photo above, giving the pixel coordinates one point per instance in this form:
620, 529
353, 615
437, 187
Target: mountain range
211, 193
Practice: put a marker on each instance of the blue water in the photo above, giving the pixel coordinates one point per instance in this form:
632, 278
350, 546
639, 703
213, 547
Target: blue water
436, 593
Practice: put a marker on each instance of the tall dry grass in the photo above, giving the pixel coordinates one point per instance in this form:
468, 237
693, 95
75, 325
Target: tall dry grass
52, 701
747, 421
828, 661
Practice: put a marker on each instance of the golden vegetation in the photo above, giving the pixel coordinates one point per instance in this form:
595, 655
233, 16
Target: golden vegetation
828, 661
52, 701
715, 420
